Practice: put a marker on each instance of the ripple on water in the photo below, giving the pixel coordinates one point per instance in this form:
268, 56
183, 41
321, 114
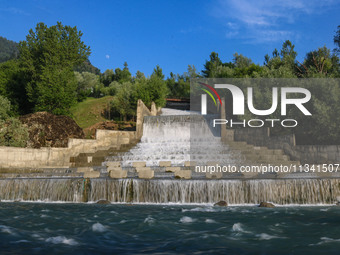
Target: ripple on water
200, 209
149, 220
7, 230
186, 219
97, 227
325, 240
61, 240
264, 236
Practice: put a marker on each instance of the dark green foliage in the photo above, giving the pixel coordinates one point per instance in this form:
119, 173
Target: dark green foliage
5, 108
8, 50
48, 57
86, 66
320, 63
118, 75
13, 133
12, 86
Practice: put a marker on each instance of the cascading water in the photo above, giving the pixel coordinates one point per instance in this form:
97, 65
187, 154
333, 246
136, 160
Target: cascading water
177, 138
288, 191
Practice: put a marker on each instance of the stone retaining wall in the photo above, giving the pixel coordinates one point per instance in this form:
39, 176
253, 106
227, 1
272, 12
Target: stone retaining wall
13, 157
306, 154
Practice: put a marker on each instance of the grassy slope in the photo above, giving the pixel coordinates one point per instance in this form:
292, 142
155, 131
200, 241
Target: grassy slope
89, 112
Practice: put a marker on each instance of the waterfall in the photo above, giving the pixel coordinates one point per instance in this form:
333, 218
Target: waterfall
42, 189
178, 138
283, 191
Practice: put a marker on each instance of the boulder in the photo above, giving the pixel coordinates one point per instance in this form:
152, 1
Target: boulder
221, 203
265, 204
103, 202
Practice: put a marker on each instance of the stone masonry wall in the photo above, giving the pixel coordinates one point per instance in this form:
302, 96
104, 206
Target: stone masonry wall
306, 154
13, 157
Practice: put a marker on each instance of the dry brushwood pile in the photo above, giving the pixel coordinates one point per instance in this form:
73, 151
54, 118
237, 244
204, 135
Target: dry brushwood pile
49, 130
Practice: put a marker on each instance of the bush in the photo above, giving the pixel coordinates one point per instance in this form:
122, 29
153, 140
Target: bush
13, 133
5, 108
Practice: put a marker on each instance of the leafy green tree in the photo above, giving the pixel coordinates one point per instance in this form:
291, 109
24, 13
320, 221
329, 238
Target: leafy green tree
125, 101
12, 86
5, 108
86, 66
282, 64
13, 133
48, 57
158, 72
320, 63
211, 65
241, 61
125, 74
87, 83
139, 75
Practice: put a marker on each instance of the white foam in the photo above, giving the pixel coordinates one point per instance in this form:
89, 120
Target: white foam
186, 219
7, 230
61, 240
149, 219
97, 227
169, 111
237, 227
21, 241
264, 236
200, 209
326, 240
210, 221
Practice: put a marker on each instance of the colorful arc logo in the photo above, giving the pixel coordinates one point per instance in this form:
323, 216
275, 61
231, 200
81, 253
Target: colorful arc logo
204, 97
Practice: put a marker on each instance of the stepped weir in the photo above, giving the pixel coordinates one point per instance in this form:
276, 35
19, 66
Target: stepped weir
176, 139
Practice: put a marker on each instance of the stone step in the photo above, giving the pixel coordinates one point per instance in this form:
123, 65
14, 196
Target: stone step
265, 157
276, 163
39, 175
263, 151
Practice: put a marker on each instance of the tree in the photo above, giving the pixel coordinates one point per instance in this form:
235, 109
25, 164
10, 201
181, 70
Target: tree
241, 61
158, 72
211, 65
13, 133
282, 64
12, 86
125, 101
5, 108
320, 63
48, 58
86, 66
87, 83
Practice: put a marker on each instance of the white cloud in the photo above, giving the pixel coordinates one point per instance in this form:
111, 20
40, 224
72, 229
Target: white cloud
107, 56
265, 20
15, 11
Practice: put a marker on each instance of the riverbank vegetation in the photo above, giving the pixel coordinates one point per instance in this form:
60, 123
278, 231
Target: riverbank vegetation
50, 71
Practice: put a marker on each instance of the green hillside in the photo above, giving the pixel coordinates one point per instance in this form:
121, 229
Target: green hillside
8, 49
90, 111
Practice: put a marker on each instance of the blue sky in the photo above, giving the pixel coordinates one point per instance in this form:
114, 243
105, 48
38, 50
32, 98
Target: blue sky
177, 33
